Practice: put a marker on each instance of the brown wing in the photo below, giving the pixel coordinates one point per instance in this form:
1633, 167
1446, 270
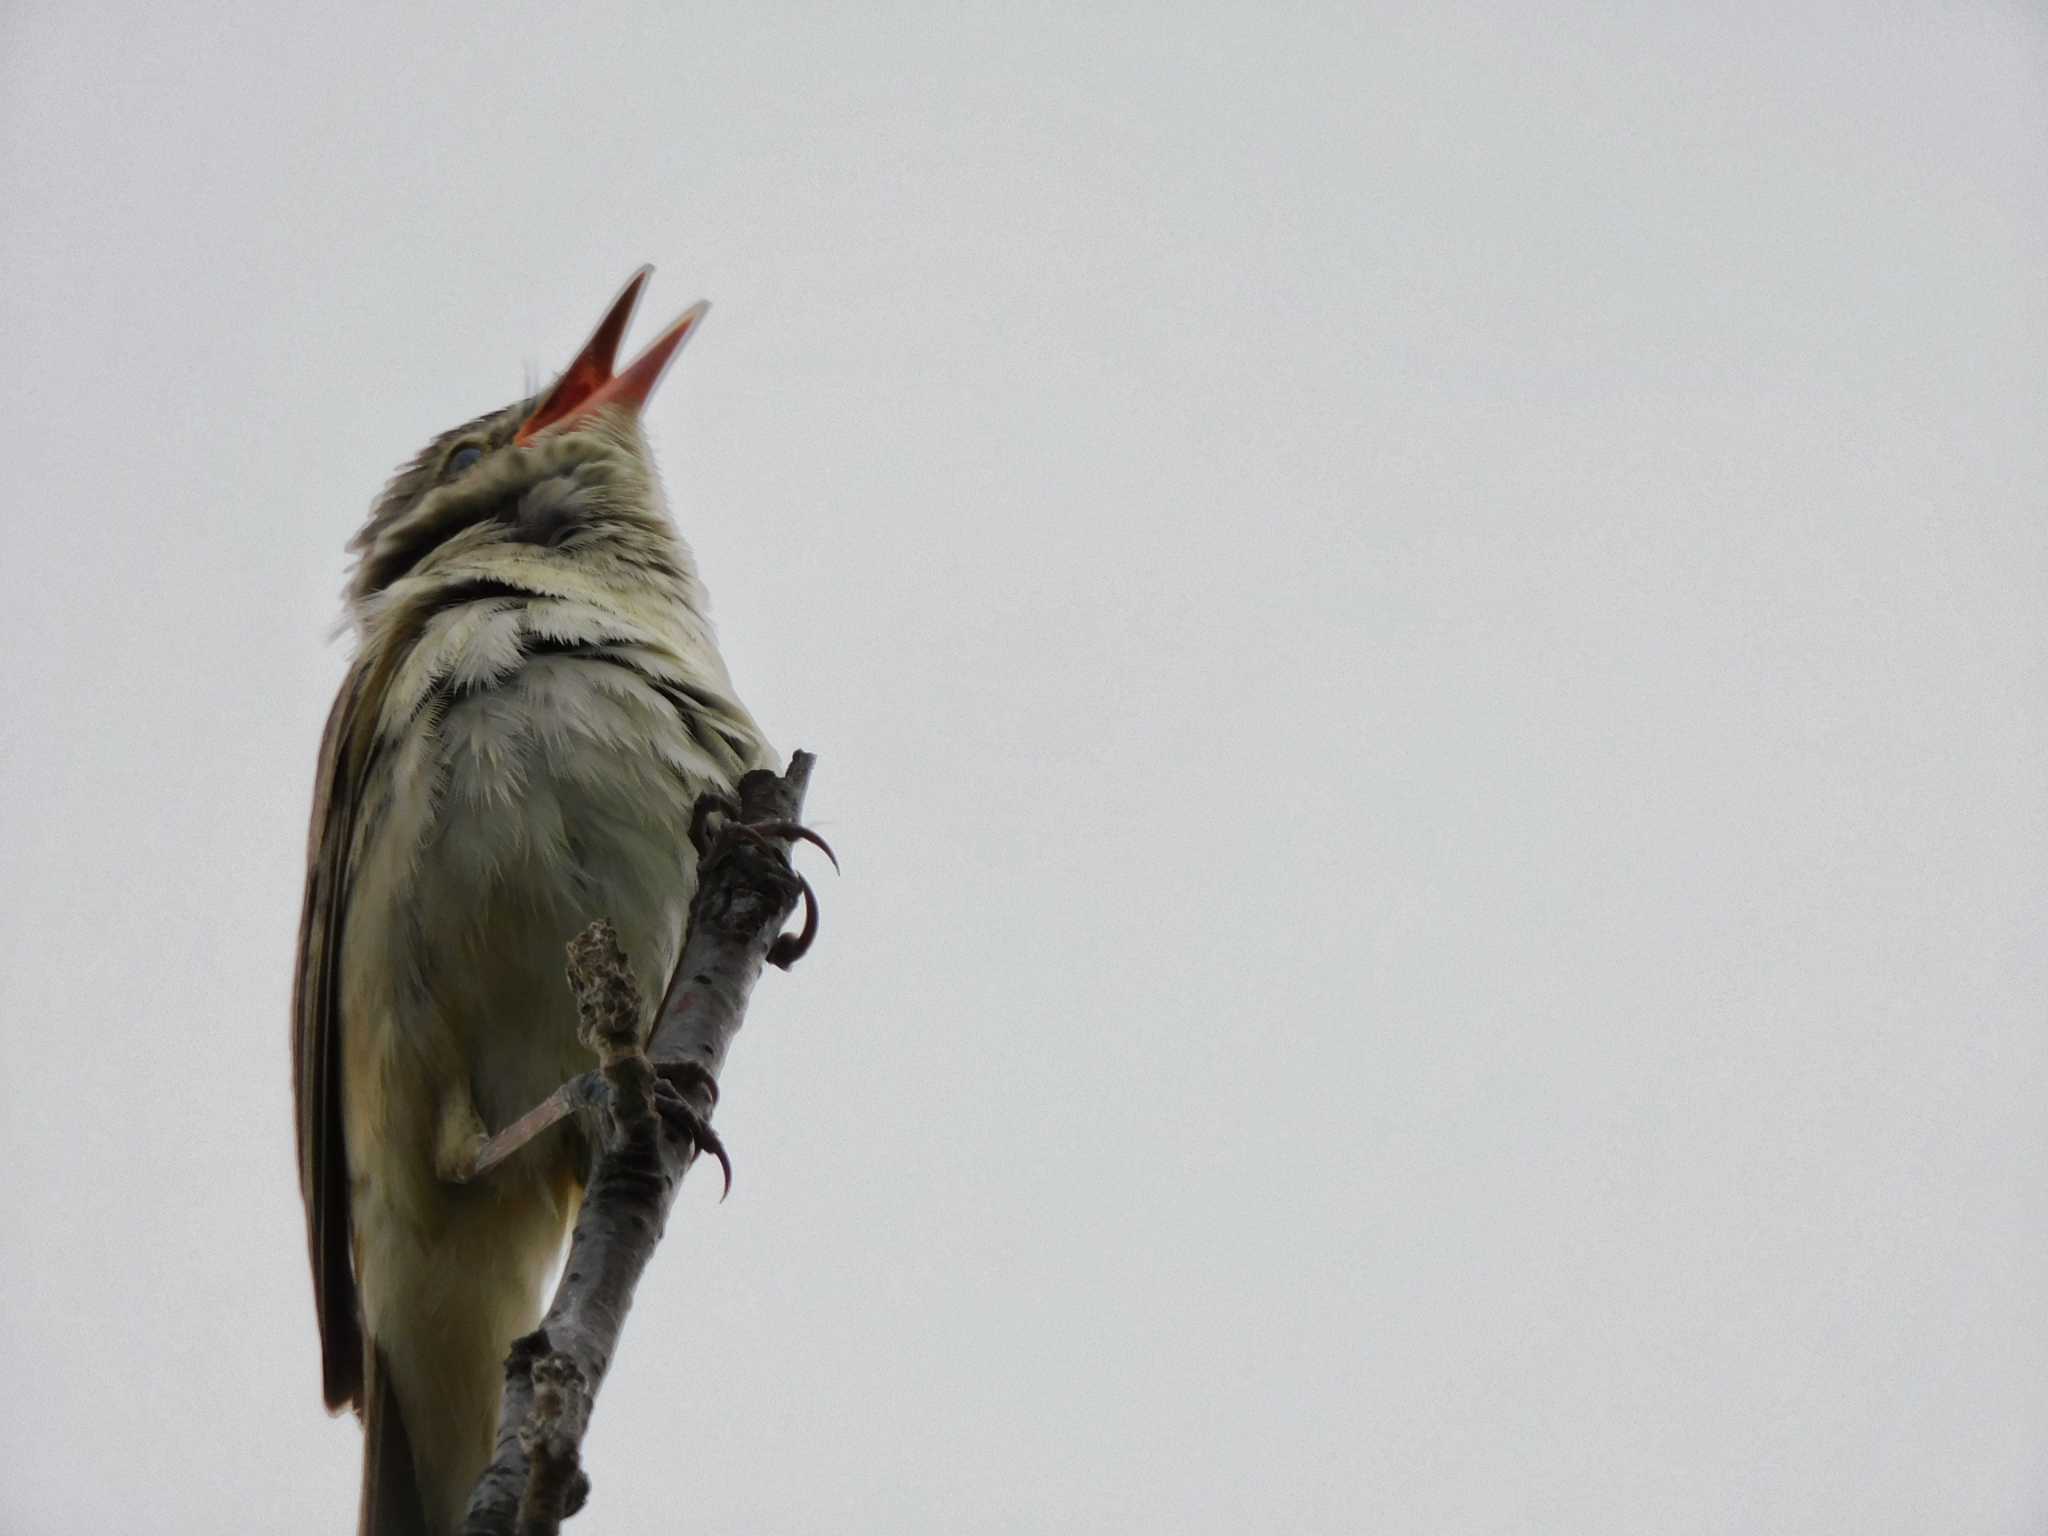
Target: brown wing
316, 1040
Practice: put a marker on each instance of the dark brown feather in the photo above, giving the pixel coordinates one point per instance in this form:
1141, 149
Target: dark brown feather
392, 1504
316, 1045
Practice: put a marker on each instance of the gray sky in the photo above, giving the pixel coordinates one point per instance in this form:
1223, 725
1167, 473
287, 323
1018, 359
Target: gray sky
1426, 634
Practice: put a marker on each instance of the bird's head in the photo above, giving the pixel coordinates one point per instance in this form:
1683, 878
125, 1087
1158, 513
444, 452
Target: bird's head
543, 495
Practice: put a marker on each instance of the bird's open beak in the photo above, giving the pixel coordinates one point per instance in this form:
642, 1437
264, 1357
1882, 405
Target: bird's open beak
588, 384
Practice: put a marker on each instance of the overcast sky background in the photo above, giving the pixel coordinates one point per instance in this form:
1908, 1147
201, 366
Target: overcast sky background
1426, 632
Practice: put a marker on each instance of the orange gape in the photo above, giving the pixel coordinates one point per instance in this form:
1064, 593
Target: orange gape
588, 382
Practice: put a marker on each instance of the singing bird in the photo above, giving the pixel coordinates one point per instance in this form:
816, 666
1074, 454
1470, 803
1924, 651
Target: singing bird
535, 705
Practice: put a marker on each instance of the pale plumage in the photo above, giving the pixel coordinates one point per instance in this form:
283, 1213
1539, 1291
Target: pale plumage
536, 704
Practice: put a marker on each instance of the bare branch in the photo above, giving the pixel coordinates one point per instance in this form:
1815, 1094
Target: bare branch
552, 1438
659, 1107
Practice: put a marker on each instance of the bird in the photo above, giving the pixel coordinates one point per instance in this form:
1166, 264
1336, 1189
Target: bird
535, 705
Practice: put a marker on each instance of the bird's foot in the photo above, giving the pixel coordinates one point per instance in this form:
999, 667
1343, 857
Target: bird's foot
704, 835
788, 948
715, 819
673, 1081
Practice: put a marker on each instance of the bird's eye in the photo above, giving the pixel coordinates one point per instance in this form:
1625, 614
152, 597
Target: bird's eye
462, 458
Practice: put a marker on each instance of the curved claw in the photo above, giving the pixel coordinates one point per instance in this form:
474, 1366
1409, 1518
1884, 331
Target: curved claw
707, 1141
795, 832
789, 948
676, 1109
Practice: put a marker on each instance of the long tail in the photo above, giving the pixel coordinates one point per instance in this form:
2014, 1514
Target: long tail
392, 1503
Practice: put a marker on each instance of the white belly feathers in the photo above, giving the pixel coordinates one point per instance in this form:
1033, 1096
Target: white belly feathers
552, 754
